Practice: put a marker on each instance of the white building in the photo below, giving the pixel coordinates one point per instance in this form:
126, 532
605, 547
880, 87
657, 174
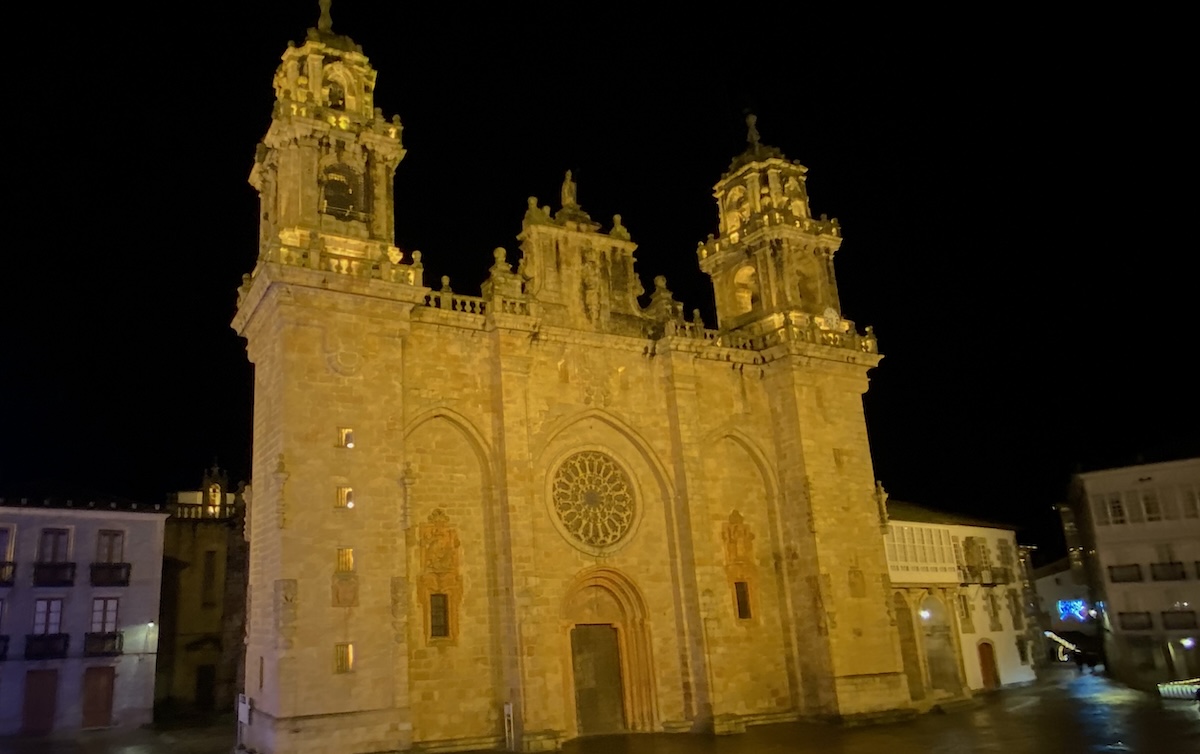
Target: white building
957, 601
79, 592
1138, 536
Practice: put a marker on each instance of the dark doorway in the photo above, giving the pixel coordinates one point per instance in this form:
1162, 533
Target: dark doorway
37, 713
206, 687
596, 661
98, 696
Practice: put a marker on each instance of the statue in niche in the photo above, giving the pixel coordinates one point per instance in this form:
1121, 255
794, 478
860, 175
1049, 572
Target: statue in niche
739, 540
568, 192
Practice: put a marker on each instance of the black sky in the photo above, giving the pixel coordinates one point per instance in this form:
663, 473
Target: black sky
1015, 200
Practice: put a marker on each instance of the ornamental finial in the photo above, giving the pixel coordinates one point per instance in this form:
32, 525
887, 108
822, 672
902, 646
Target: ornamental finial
751, 130
325, 22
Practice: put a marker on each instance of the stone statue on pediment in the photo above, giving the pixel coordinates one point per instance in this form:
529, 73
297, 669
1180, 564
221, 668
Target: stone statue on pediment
569, 199
619, 230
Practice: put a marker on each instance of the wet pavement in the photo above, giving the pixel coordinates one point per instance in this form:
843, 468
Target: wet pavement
1064, 714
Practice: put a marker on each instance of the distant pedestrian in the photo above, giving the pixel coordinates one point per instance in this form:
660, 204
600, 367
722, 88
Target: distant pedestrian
1092, 662
1078, 657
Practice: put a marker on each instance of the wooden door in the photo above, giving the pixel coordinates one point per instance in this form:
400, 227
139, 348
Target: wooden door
987, 666
596, 662
37, 711
98, 696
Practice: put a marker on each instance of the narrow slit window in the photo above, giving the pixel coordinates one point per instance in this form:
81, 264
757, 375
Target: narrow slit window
439, 616
741, 591
345, 559
345, 497
343, 658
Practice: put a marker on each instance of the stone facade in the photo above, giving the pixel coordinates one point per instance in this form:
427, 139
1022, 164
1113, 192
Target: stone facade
201, 648
452, 490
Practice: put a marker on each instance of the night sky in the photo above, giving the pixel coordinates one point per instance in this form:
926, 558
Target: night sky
1013, 204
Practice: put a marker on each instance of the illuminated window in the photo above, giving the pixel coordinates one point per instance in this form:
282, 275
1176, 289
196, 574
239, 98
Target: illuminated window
346, 437
214, 500
343, 658
47, 616
345, 559
104, 615
741, 591
439, 616
345, 497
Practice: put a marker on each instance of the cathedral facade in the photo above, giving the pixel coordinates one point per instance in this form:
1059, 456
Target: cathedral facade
546, 511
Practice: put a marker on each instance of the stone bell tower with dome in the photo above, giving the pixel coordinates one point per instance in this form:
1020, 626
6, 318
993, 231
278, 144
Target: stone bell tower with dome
548, 510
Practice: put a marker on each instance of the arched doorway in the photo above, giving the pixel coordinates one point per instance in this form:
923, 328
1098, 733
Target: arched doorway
611, 678
939, 647
987, 665
909, 652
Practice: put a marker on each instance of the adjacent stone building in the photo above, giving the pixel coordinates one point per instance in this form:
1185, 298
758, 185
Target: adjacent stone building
79, 589
549, 510
959, 603
1135, 532
201, 655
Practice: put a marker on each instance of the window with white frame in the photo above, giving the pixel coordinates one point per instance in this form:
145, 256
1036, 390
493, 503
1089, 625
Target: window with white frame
110, 546
1116, 509
1100, 510
1191, 502
1151, 505
53, 546
104, 615
47, 616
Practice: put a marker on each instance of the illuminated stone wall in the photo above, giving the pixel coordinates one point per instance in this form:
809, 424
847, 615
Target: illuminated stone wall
549, 454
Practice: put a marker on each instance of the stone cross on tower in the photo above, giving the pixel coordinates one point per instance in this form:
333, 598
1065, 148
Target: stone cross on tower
325, 22
751, 129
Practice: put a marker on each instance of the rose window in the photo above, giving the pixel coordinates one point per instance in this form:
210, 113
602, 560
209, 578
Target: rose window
593, 499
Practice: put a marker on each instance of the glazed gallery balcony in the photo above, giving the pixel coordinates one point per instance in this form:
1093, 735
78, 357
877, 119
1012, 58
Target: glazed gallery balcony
54, 574
105, 644
46, 646
110, 574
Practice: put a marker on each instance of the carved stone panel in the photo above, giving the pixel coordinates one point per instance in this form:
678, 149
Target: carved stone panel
440, 573
345, 589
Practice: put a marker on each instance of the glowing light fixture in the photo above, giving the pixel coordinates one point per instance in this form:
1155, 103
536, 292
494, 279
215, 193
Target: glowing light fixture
1188, 642
925, 614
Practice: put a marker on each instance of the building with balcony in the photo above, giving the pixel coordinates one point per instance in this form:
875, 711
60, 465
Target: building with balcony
203, 599
79, 598
1066, 609
1135, 532
958, 602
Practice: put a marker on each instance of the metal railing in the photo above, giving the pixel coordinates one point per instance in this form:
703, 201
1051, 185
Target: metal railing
54, 574
103, 644
111, 574
46, 646
1173, 571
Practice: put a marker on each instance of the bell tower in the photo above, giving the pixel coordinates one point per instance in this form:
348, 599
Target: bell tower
771, 256
324, 171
